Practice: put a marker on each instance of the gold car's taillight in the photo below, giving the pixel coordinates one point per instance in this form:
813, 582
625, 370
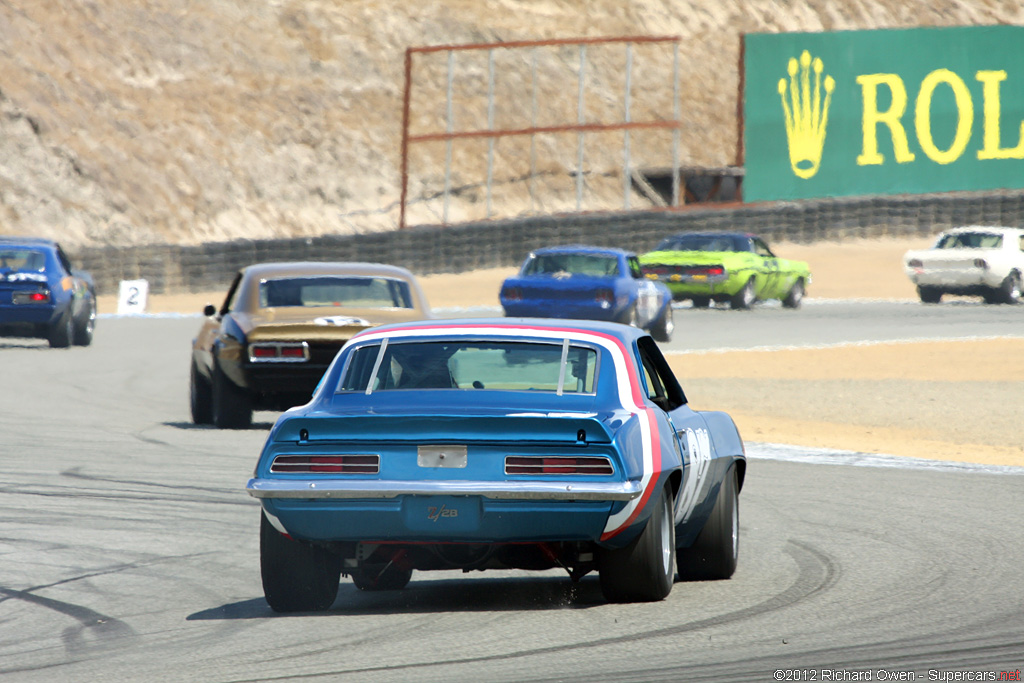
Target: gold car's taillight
279, 352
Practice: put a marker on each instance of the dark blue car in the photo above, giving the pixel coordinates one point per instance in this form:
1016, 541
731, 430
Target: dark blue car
497, 443
589, 283
41, 296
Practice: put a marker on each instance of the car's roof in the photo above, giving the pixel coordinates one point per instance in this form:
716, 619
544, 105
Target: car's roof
712, 233
515, 327
36, 242
983, 228
315, 268
583, 249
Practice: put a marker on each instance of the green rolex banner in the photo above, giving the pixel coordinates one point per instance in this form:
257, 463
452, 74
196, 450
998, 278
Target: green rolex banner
883, 112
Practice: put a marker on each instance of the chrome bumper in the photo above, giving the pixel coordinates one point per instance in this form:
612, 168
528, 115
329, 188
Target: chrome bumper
333, 489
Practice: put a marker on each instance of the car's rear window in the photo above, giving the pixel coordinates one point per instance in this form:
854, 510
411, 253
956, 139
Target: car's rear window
351, 292
476, 365
970, 240
704, 243
22, 260
574, 264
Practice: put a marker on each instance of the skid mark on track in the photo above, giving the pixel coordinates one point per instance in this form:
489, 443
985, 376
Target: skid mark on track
816, 573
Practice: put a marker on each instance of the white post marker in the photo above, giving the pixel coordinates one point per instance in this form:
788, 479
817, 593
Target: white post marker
132, 297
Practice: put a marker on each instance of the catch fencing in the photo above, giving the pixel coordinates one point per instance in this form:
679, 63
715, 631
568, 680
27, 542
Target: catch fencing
459, 248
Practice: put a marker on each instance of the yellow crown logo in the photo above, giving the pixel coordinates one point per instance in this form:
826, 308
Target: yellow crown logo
806, 114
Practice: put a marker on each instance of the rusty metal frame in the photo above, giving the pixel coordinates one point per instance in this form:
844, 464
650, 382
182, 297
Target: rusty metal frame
580, 127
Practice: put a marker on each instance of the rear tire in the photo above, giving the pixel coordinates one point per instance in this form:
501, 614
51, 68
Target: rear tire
297, 576
1009, 290
929, 295
380, 577
62, 332
701, 301
795, 296
716, 550
232, 405
663, 326
83, 330
644, 570
200, 397
744, 298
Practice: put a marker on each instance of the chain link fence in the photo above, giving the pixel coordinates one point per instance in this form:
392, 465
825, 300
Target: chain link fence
459, 248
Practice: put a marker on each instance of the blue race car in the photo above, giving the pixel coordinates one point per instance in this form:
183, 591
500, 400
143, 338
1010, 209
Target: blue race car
589, 283
42, 296
497, 444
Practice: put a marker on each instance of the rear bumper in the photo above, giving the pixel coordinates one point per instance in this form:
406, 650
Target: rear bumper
952, 280
318, 489
572, 310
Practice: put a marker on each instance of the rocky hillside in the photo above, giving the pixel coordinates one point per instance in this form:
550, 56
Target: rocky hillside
186, 121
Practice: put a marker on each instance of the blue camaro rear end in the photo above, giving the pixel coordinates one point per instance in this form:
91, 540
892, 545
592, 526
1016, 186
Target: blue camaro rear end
489, 444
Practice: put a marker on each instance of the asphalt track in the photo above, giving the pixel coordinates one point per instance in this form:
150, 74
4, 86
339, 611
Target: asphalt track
129, 548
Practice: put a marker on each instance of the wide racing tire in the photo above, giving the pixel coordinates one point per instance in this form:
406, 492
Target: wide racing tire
1009, 290
84, 328
644, 570
744, 298
701, 301
929, 295
795, 296
297, 576
663, 327
62, 332
200, 397
380, 577
715, 552
232, 404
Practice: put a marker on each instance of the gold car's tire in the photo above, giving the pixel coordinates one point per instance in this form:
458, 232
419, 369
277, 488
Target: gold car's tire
644, 570
200, 397
795, 296
297, 576
232, 405
715, 552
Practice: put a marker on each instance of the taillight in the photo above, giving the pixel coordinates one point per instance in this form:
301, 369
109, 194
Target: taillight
333, 464
604, 298
536, 464
715, 270
915, 263
278, 352
981, 263
33, 297
512, 294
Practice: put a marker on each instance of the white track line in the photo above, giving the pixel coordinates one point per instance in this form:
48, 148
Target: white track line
831, 456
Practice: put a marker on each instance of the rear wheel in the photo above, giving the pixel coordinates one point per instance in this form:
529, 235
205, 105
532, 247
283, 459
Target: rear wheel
380, 577
744, 298
795, 296
61, 332
701, 301
297, 576
663, 326
716, 550
200, 397
232, 405
1009, 291
929, 295
84, 328
644, 570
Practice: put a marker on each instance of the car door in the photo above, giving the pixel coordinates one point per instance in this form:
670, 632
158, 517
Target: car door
688, 432
768, 280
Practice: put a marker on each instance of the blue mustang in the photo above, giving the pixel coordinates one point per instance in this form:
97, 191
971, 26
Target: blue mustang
497, 443
589, 283
41, 296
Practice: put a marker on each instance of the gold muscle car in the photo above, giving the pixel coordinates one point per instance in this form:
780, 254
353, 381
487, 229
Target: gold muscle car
279, 328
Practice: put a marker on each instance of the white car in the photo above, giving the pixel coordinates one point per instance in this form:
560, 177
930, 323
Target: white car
974, 260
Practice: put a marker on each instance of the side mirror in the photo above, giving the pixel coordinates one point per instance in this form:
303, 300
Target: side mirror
209, 310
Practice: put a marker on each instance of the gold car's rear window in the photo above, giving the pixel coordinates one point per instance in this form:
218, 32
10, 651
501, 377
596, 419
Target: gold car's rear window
351, 292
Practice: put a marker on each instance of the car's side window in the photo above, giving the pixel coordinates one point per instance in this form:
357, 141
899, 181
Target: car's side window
229, 299
64, 261
662, 387
634, 268
762, 249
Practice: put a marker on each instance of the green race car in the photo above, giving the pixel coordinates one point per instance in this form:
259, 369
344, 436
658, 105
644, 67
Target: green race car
732, 267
